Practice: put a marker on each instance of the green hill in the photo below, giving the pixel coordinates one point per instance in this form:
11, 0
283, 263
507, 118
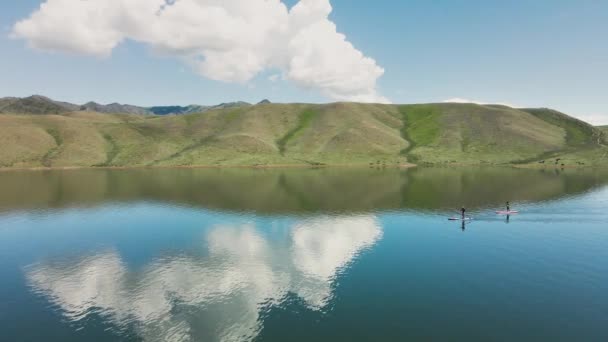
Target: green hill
280, 134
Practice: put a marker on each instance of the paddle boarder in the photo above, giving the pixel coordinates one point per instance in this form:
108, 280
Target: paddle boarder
508, 207
463, 211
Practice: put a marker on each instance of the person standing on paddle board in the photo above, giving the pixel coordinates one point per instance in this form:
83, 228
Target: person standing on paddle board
463, 211
508, 207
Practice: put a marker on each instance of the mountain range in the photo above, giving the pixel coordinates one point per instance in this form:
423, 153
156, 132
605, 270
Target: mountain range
38, 104
40, 132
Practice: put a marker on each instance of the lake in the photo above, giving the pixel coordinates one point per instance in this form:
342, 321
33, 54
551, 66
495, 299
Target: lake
339, 254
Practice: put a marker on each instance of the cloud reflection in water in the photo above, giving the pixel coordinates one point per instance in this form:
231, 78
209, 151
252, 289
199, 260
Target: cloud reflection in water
218, 297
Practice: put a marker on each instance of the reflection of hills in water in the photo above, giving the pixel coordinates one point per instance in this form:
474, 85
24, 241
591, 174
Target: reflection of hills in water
277, 191
443, 188
218, 297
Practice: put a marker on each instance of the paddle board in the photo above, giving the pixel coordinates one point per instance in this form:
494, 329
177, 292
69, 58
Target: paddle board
460, 219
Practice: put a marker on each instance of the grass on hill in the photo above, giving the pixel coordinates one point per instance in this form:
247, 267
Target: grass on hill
578, 133
585, 144
304, 120
271, 134
470, 133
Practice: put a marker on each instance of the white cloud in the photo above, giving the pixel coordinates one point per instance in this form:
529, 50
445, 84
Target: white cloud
228, 40
594, 119
274, 78
461, 100
322, 58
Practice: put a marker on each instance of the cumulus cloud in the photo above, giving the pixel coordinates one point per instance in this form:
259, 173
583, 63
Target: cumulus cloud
228, 40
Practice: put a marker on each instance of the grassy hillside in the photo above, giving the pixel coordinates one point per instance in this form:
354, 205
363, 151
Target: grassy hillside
578, 133
473, 133
271, 134
585, 144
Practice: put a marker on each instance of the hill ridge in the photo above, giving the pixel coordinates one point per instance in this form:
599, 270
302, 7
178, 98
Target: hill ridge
377, 135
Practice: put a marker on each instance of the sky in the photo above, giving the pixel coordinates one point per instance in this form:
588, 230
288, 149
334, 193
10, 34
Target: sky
542, 53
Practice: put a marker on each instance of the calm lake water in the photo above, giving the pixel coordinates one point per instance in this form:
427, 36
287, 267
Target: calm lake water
303, 255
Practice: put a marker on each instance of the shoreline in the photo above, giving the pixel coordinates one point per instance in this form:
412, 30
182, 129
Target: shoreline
258, 167
557, 167
298, 166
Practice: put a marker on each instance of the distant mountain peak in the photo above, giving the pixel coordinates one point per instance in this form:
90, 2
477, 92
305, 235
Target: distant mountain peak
35, 104
264, 101
38, 104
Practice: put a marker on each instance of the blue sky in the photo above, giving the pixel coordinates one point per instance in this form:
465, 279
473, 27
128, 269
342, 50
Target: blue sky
548, 53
